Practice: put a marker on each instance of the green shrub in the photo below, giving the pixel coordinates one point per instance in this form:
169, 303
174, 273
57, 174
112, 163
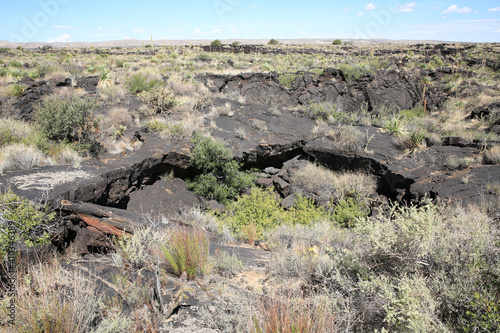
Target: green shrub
286, 80
337, 42
139, 83
220, 178
348, 210
187, 251
67, 120
216, 43
273, 42
4, 50
355, 71
23, 221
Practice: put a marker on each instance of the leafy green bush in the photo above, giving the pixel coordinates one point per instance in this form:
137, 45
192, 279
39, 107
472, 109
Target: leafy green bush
139, 83
187, 251
68, 120
221, 178
273, 42
337, 42
261, 210
21, 220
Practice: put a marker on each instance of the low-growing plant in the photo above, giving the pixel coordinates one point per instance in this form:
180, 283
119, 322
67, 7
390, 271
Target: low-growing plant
353, 72
286, 80
187, 251
159, 99
492, 155
139, 83
226, 264
23, 221
286, 313
16, 89
347, 211
273, 42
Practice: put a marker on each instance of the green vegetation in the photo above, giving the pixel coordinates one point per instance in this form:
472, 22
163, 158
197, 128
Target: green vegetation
220, 178
139, 83
68, 120
187, 251
159, 99
273, 42
353, 72
216, 42
22, 221
337, 42
286, 80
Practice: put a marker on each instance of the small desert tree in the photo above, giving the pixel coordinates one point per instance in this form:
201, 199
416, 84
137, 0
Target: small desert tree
337, 42
216, 43
273, 42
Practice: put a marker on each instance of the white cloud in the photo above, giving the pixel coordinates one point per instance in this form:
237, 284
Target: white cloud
370, 6
114, 29
455, 9
253, 29
407, 8
61, 39
197, 31
126, 37
346, 9
66, 27
234, 30
254, 6
360, 14
100, 29
497, 31
216, 31
302, 32
434, 8
141, 30
497, 9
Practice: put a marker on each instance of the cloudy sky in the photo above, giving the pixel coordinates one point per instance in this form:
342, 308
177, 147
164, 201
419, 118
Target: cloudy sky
91, 20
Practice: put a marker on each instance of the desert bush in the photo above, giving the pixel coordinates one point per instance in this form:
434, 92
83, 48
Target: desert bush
226, 264
395, 127
337, 42
68, 120
21, 157
273, 42
187, 251
333, 186
16, 89
220, 178
159, 99
140, 82
21, 220
347, 211
353, 72
253, 214
286, 80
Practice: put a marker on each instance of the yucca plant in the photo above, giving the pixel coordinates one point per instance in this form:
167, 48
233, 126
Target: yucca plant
394, 126
187, 251
416, 138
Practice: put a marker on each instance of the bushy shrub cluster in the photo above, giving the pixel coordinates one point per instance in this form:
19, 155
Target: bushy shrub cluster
68, 120
221, 178
138, 83
21, 220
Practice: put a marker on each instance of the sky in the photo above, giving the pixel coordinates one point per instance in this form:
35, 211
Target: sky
104, 20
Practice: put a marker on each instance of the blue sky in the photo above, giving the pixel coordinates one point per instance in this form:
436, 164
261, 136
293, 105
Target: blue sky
90, 20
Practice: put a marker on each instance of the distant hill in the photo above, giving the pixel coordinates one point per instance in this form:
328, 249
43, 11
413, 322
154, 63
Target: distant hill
138, 43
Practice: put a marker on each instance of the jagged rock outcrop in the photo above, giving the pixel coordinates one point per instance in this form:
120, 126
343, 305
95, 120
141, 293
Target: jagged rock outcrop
381, 91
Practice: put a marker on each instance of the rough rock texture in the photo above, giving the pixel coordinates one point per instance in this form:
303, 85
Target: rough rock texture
33, 93
384, 90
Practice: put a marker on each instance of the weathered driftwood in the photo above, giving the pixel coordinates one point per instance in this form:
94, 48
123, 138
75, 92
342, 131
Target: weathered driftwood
102, 219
